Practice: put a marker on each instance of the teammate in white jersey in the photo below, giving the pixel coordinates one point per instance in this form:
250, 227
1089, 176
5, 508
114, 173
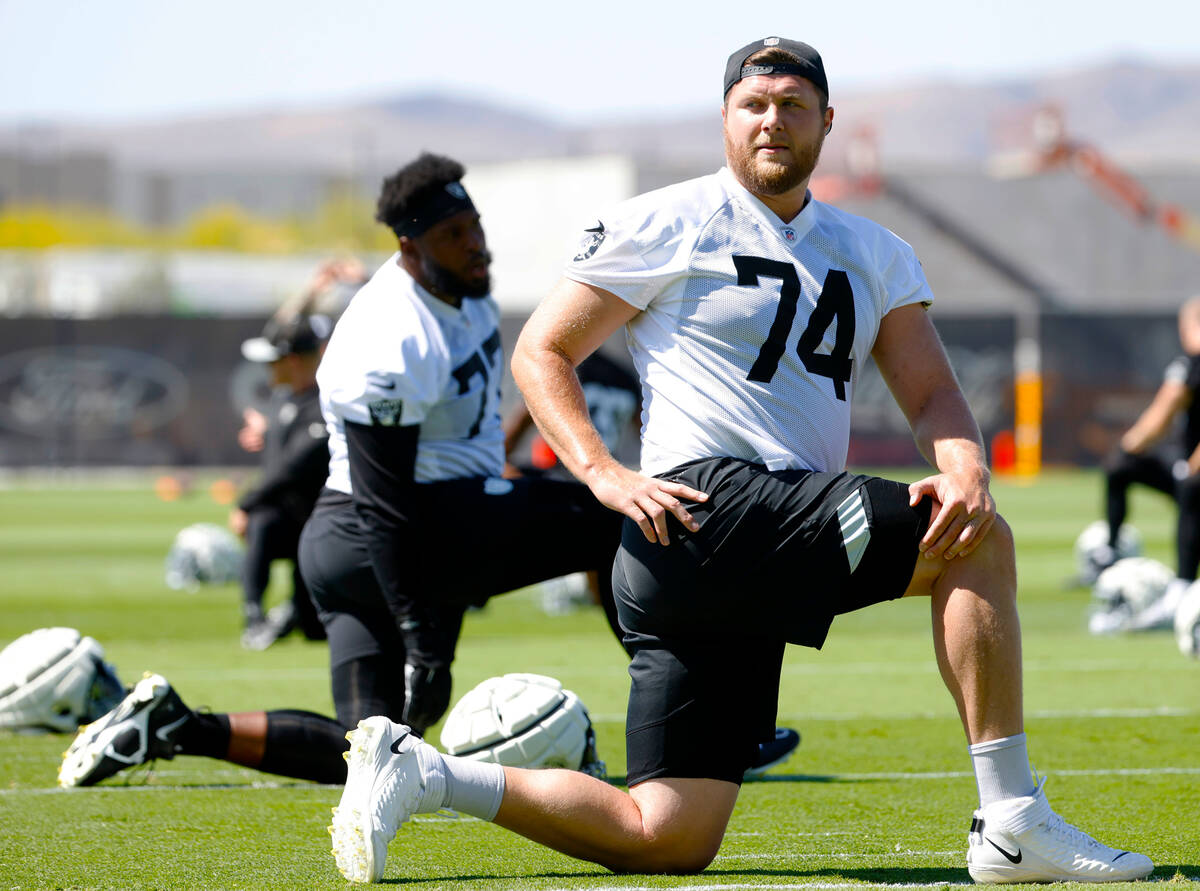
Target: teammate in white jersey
410, 390
415, 522
749, 309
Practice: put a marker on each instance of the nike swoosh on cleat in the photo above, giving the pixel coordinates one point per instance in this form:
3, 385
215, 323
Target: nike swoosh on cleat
1119, 856
599, 227
395, 747
1012, 858
162, 731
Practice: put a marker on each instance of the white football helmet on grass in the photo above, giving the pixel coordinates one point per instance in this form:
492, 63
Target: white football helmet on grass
522, 720
55, 679
1124, 593
203, 554
1093, 554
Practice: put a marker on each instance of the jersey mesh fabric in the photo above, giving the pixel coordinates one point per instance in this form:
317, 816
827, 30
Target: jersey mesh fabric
400, 356
716, 275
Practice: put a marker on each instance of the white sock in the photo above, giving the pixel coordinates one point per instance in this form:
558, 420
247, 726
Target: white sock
469, 787
1002, 769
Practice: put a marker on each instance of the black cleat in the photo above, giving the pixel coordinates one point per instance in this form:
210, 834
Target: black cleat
143, 727
773, 753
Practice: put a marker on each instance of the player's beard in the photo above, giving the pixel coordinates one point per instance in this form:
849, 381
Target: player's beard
765, 176
440, 279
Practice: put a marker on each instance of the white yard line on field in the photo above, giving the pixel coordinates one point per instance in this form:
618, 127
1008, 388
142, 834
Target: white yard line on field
299, 784
759, 886
1045, 714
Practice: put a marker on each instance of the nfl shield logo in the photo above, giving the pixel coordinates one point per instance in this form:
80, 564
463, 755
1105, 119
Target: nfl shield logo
789, 233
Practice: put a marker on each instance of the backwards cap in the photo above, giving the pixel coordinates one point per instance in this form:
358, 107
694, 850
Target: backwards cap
809, 66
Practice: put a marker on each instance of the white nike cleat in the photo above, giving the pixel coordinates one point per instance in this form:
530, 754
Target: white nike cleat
1023, 840
385, 785
144, 726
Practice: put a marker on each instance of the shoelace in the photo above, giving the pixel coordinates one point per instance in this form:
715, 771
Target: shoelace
1071, 835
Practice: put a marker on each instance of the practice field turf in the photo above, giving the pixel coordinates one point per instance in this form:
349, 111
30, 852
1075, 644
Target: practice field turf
879, 794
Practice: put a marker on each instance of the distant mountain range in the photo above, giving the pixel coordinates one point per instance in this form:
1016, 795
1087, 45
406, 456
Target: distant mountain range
1140, 114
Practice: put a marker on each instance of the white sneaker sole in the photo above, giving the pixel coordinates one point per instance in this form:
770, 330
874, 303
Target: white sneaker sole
1000, 875
83, 756
1003, 874
359, 838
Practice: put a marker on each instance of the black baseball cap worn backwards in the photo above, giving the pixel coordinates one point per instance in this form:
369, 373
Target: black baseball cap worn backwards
809, 66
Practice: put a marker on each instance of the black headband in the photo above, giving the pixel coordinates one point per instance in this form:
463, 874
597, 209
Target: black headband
433, 207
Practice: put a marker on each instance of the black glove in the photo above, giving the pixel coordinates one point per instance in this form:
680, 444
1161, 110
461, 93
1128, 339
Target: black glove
429, 643
426, 694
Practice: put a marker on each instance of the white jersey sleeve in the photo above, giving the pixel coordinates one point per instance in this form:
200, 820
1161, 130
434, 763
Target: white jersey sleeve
385, 363
752, 331
635, 252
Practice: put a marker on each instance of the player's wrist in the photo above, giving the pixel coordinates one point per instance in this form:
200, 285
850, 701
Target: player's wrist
599, 470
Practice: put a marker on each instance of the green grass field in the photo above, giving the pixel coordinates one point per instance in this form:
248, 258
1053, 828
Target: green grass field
879, 794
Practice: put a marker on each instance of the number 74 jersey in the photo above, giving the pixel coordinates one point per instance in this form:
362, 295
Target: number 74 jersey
752, 331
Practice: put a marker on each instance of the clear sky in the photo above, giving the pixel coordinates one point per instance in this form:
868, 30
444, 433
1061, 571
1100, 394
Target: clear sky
578, 62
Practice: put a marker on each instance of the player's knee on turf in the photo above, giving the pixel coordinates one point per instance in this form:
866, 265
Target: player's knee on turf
684, 827
681, 849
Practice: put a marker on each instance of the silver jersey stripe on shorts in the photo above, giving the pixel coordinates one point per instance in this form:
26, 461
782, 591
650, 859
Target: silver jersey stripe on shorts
856, 532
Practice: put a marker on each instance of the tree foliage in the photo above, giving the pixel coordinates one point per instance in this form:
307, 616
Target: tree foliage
343, 223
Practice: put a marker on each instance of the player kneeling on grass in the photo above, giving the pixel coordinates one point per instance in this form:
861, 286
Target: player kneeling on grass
410, 390
749, 308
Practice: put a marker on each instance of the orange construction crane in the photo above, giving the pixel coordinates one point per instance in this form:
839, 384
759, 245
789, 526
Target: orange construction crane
1055, 149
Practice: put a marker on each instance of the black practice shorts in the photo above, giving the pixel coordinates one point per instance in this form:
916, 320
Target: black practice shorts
492, 536
778, 555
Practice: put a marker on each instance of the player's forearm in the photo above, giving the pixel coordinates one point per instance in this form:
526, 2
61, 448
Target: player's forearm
1155, 422
383, 488
1146, 431
948, 436
1138, 439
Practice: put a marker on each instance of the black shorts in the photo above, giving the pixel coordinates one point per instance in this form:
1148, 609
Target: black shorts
494, 536
778, 555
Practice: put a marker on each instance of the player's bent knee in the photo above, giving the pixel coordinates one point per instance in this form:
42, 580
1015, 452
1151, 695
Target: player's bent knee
998, 544
995, 554
682, 852
684, 822
990, 569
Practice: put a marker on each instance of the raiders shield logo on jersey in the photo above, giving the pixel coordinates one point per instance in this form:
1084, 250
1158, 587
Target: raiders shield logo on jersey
385, 412
591, 241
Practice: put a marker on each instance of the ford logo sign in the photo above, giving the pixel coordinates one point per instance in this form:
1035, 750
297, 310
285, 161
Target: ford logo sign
88, 392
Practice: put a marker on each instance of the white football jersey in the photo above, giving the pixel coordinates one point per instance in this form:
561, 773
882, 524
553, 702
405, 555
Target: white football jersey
400, 356
752, 331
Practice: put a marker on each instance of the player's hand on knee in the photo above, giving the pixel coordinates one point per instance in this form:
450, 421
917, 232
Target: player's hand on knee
646, 500
963, 513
